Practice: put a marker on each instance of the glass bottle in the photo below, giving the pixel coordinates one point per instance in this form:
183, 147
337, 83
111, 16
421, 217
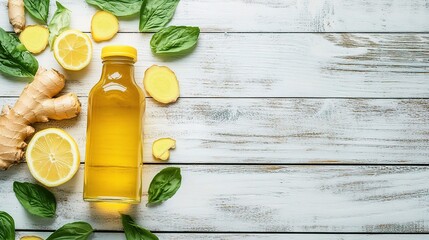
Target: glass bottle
113, 163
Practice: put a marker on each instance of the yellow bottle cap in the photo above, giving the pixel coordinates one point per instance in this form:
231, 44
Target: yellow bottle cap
119, 51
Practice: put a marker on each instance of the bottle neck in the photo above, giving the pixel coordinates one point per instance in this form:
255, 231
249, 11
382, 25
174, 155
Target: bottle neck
118, 69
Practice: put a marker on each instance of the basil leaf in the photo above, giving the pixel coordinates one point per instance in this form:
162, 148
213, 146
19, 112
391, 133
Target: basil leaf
155, 14
72, 231
7, 226
59, 22
164, 185
174, 39
134, 231
15, 60
38, 9
118, 8
36, 199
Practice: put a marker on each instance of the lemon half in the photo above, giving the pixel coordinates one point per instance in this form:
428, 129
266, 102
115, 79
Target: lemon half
52, 157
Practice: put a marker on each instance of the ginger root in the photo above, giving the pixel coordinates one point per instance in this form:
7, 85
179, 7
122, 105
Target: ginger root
36, 104
161, 83
16, 15
104, 26
161, 147
35, 38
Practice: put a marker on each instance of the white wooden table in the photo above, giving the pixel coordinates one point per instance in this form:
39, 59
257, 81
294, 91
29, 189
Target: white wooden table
298, 119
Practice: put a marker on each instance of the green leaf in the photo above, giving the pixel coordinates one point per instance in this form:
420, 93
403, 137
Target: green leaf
155, 14
7, 226
72, 231
164, 185
59, 22
15, 60
134, 231
174, 39
118, 8
36, 199
38, 9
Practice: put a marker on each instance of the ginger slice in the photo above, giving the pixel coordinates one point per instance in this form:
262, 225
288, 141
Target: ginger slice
104, 26
161, 147
31, 238
35, 38
161, 83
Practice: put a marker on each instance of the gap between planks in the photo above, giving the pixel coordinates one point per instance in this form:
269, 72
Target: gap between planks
238, 32
321, 98
297, 164
248, 236
241, 232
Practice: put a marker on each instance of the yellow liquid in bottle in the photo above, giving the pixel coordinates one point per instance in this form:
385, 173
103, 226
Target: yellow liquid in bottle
113, 165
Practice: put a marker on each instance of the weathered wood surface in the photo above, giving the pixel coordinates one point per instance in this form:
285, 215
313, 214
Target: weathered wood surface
265, 198
276, 65
380, 131
275, 15
250, 53
213, 236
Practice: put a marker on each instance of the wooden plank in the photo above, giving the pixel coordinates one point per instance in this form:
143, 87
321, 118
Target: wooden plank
266, 198
282, 130
277, 65
214, 236
275, 15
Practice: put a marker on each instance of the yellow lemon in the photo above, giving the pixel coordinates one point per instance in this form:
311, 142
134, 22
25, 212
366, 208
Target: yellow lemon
73, 50
52, 157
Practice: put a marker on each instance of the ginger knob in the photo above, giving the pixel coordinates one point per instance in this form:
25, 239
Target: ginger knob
16, 15
35, 104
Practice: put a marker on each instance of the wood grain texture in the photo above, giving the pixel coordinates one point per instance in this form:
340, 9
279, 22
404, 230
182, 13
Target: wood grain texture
381, 131
274, 15
214, 236
250, 52
276, 65
265, 198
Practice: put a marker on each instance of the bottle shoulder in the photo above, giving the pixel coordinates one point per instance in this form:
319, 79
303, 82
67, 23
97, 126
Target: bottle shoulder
114, 92
125, 87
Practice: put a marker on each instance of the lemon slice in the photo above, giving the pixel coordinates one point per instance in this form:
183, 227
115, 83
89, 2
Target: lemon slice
73, 50
52, 157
